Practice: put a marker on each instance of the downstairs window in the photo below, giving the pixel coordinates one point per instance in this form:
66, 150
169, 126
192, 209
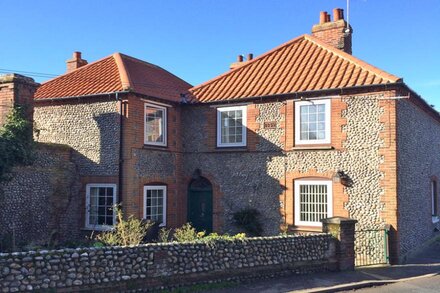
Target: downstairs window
100, 201
313, 201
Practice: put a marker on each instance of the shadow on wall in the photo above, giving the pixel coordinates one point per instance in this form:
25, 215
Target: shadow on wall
44, 204
240, 176
39, 202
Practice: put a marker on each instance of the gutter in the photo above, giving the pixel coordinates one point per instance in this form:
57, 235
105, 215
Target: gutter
79, 97
297, 95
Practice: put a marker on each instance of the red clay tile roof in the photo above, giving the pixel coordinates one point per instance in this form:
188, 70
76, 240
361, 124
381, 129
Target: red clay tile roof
115, 73
302, 64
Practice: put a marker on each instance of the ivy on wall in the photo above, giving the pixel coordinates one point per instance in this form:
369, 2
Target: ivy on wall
16, 141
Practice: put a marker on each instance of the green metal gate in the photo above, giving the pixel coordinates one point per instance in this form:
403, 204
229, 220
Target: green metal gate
371, 247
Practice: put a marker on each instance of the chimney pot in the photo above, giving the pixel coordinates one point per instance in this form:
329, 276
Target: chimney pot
250, 56
322, 17
76, 55
240, 58
327, 18
338, 14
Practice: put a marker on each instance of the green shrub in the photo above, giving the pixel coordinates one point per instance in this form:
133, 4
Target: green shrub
126, 232
16, 142
164, 235
187, 233
249, 220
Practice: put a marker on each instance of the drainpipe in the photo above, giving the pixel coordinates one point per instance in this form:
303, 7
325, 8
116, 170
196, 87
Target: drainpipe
121, 158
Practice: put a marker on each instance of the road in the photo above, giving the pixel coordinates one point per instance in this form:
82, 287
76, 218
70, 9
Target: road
421, 285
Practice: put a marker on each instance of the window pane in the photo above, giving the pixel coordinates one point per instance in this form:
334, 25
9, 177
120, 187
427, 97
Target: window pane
93, 191
109, 191
101, 220
109, 221
93, 220
304, 110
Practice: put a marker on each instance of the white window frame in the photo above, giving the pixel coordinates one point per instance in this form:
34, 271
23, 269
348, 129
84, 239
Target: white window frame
244, 127
327, 139
299, 182
164, 208
163, 126
98, 185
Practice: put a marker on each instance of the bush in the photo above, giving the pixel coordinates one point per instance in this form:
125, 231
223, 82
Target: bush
16, 142
249, 220
187, 233
164, 235
126, 232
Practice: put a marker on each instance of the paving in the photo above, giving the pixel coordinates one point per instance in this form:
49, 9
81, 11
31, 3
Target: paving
424, 264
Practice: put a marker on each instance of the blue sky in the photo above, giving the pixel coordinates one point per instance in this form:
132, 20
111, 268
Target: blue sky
197, 40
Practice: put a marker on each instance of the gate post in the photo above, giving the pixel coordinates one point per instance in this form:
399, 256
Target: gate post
342, 229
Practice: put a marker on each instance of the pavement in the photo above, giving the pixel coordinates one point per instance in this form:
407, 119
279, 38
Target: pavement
424, 264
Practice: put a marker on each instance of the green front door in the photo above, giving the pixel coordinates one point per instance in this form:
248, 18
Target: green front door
200, 205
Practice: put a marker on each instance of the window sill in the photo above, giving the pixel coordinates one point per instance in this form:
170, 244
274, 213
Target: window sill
306, 229
231, 148
313, 148
100, 229
154, 147
435, 219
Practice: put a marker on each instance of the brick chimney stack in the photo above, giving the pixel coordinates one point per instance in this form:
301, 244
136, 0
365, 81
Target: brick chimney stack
16, 90
336, 33
76, 62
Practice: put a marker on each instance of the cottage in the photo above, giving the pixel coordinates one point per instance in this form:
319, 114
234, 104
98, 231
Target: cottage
303, 132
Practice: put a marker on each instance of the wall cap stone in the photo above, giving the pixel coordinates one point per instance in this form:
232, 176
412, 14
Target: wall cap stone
14, 77
338, 220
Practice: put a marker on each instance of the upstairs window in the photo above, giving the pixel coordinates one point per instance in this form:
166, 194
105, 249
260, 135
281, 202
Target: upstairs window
434, 201
231, 126
155, 125
312, 122
100, 201
313, 202
155, 200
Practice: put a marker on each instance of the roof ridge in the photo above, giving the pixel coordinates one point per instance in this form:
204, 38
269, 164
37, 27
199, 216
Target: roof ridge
151, 65
353, 60
249, 62
123, 73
